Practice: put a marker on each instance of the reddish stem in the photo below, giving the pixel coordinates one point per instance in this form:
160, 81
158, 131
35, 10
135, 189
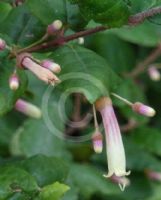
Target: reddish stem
133, 20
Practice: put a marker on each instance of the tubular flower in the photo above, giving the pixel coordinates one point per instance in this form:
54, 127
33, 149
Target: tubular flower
25, 60
28, 109
52, 66
14, 82
2, 44
154, 73
143, 109
156, 176
121, 181
115, 148
97, 142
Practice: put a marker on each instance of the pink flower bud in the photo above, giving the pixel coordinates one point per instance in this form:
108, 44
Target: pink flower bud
156, 176
19, 2
14, 82
143, 109
2, 44
28, 109
52, 66
54, 27
97, 142
121, 181
154, 73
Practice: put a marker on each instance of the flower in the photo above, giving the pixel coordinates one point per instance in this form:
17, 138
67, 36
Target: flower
154, 73
97, 142
156, 176
2, 44
54, 27
28, 108
25, 60
14, 82
52, 66
143, 109
121, 181
114, 144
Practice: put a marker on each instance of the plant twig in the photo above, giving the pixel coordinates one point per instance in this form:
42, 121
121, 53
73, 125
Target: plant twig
140, 68
133, 20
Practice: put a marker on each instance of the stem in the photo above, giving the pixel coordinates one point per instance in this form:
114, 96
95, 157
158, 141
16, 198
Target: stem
77, 108
133, 20
95, 119
122, 99
140, 17
140, 68
34, 44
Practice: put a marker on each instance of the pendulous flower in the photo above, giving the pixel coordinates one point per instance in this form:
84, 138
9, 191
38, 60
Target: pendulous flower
25, 60
14, 82
52, 66
2, 44
97, 141
28, 109
114, 144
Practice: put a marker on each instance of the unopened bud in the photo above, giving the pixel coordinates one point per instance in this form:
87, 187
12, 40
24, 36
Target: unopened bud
97, 142
143, 109
154, 73
156, 176
52, 66
28, 109
19, 2
121, 181
14, 82
54, 27
2, 44
81, 40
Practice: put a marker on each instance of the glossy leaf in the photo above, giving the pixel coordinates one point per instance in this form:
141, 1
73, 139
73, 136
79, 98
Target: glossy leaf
85, 71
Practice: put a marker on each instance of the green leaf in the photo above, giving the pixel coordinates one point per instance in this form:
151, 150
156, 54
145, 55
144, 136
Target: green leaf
48, 10
5, 8
62, 10
46, 170
29, 140
119, 54
90, 181
148, 139
8, 124
7, 96
146, 34
138, 6
107, 12
75, 19
21, 26
13, 179
85, 71
138, 159
54, 191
